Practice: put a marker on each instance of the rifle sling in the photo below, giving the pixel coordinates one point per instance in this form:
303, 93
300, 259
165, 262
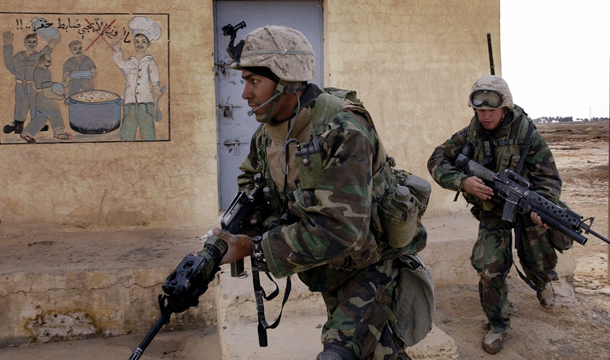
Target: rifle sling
519, 248
519, 220
260, 295
526, 148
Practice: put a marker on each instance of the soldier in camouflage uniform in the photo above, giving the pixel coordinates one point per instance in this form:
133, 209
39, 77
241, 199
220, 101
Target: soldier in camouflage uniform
496, 139
328, 234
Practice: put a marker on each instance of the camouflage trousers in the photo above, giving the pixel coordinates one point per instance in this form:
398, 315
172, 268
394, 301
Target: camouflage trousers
359, 314
492, 258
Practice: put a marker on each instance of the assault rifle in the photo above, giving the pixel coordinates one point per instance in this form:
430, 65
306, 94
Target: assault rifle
190, 279
514, 188
185, 285
236, 219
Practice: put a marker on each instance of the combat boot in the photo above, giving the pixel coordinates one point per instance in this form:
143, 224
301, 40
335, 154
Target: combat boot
546, 296
493, 342
336, 352
15, 126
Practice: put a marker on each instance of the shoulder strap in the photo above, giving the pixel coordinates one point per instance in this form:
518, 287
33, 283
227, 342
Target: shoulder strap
328, 104
526, 148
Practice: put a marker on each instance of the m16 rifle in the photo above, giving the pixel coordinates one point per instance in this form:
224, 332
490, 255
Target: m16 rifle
237, 218
185, 285
190, 279
514, 189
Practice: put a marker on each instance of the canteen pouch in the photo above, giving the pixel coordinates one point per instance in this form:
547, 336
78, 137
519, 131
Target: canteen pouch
402, 209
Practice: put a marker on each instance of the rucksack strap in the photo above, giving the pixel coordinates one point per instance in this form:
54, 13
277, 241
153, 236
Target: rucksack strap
526, 148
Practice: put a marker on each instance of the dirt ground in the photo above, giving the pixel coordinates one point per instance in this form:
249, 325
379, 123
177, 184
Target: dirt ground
577, 326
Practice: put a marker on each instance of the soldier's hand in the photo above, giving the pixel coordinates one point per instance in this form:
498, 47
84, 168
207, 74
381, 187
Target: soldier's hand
240, 246
475, 186
538, 220
7, 37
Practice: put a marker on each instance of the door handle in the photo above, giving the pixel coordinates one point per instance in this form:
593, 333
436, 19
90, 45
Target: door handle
227, 110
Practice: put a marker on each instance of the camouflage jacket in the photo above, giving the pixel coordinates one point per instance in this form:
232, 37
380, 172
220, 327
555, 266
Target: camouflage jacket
507, 146
329, 233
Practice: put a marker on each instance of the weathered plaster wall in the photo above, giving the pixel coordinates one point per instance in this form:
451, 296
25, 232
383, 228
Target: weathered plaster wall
100, 186
412, 63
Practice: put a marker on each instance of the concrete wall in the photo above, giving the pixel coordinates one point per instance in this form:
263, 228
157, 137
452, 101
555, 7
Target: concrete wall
412, 63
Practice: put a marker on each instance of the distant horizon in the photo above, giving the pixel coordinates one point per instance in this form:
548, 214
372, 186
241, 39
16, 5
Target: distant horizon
599, 119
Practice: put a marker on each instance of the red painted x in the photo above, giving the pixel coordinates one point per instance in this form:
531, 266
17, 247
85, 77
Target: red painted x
100, 34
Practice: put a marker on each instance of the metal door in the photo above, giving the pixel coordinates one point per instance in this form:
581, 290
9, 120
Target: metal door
235, 127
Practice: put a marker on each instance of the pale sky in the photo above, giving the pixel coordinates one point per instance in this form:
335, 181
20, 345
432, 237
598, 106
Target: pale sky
556, 56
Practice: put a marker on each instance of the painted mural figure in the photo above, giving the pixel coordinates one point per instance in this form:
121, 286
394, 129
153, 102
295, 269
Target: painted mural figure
79, 70
47, 92
142, 80
22, 65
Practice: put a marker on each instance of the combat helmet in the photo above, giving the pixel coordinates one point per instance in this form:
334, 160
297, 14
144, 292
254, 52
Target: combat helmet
284, 51
490, 92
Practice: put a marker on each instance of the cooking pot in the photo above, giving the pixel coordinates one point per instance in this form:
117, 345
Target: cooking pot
94, 112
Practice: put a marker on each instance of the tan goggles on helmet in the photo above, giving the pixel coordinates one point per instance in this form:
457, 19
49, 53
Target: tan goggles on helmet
486, 97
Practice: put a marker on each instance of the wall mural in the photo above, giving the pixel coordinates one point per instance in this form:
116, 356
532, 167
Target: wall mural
84, 78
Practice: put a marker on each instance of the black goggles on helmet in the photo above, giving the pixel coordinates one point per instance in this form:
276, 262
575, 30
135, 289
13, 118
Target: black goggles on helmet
489, 98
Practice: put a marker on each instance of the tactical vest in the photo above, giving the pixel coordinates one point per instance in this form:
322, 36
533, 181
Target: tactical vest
399, 198
506, 152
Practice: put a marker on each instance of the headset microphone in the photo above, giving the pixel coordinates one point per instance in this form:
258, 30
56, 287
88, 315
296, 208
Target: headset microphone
251, 112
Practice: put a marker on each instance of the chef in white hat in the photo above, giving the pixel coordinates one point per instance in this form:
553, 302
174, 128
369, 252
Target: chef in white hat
145, 26
142, 80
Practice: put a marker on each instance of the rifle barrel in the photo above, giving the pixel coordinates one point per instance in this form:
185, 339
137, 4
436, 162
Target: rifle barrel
151, 335
598, 235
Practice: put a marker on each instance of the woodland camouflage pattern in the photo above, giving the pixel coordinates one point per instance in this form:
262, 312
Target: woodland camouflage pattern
491, 255
329, 241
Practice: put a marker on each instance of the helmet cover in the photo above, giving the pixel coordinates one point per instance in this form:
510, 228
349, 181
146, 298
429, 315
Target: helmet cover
284, 51
494, 84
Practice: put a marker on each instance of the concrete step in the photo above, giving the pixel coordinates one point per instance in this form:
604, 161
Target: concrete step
298, 335
71, 286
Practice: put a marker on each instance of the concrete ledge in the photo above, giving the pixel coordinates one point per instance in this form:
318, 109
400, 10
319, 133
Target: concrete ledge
298, 335
72, 286
436, 346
